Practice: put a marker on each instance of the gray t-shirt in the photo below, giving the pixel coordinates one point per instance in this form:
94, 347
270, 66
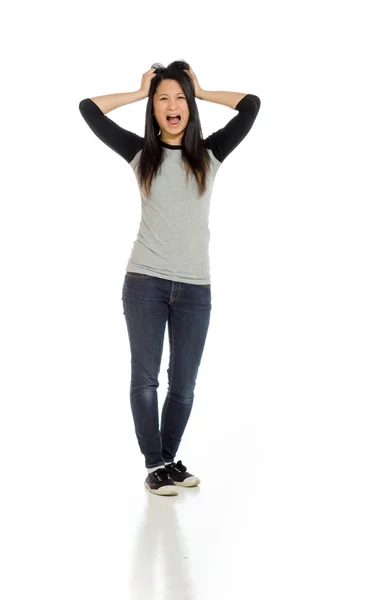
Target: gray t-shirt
173, 237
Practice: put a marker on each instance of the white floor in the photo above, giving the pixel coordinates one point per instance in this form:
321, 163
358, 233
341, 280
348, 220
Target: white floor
282, 511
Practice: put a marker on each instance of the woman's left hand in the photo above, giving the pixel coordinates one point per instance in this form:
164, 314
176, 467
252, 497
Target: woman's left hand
191, 74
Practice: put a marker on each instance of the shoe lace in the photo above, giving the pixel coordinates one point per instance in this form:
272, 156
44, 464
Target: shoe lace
162, 474
180, 467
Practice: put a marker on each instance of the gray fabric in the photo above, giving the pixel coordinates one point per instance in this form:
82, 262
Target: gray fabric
173, 236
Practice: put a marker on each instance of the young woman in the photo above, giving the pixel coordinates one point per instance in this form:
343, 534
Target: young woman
168, 278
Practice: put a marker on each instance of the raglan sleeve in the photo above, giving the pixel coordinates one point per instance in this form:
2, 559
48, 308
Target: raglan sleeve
226, 139
126, 143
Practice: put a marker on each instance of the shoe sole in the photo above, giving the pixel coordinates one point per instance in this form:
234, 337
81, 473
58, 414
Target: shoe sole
165, 490
189, 482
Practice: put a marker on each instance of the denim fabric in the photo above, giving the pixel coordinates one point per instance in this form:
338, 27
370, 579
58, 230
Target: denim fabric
149, 303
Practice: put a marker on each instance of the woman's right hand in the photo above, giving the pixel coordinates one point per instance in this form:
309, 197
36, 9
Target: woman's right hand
146, 81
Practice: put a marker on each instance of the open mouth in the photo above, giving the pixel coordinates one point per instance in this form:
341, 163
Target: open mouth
173, 121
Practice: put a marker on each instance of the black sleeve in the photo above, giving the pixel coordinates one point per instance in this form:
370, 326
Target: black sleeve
124, 142
226, 139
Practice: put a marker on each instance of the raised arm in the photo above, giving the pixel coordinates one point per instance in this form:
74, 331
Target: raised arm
126, 143
226, 139
111, 101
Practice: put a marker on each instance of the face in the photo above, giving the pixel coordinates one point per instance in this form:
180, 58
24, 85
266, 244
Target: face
169, 99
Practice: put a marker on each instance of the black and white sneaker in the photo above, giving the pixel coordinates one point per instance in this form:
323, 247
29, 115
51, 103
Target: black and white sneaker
159, 482
179, 474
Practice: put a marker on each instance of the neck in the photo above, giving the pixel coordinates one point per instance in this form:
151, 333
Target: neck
172, 140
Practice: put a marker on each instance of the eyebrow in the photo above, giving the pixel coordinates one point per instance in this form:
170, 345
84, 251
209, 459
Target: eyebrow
168, 94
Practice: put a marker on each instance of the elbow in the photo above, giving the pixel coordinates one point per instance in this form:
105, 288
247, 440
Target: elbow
82, 104
257, 102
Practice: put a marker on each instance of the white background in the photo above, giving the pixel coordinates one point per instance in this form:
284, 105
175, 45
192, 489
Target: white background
280, 429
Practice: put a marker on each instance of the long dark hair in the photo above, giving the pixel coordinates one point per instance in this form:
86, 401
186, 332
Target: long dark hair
193, 151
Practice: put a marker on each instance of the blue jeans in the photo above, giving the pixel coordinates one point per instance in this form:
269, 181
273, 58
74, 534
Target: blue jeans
149, 303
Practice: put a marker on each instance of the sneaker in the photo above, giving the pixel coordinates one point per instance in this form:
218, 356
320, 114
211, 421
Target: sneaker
179, 474
159, 482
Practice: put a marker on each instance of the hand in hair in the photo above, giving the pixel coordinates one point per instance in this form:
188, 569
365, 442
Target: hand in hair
191, 74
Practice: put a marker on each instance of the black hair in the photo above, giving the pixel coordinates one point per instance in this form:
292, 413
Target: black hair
193, 152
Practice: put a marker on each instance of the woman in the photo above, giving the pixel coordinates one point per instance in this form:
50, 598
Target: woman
168, 277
